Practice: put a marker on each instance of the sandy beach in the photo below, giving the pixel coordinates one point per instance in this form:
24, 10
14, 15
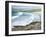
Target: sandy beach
31, 26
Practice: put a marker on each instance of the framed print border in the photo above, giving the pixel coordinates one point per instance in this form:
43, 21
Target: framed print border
7, 17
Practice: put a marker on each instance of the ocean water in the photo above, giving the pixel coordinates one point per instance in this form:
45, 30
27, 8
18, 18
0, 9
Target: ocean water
20, 18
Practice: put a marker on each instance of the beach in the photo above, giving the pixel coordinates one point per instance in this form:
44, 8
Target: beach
31, 26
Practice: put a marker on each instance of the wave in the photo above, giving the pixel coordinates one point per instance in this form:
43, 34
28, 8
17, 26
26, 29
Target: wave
22, 19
